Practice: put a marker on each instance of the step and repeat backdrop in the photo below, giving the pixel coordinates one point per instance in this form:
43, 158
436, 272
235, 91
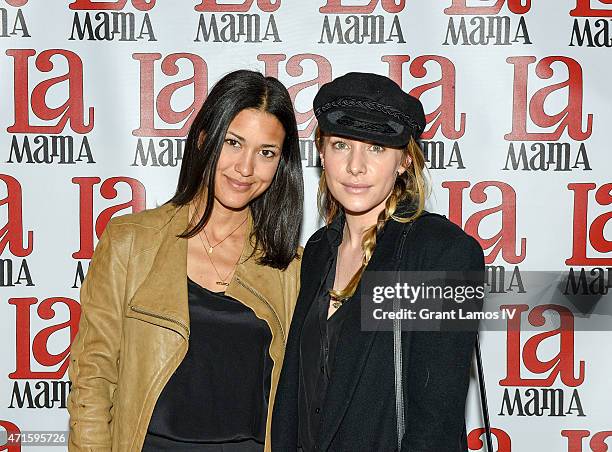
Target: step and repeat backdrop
97, 96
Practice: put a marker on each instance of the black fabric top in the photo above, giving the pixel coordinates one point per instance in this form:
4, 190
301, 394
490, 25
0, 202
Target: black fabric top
219, 393
318, 349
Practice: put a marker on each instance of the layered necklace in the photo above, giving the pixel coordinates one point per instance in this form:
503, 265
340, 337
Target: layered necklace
210, 248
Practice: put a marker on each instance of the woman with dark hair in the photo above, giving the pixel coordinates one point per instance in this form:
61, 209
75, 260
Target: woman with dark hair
186, 307
343, 388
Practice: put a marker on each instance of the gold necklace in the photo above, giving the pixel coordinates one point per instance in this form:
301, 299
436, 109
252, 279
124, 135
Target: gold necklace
222, 281
210, 248
336, 302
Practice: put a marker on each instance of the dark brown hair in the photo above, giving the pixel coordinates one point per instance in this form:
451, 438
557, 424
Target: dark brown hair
277, 213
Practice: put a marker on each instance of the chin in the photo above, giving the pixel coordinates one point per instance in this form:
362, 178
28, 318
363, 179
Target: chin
357, 206
234, 202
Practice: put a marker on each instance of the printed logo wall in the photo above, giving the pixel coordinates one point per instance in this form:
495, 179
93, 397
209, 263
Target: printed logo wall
97, 98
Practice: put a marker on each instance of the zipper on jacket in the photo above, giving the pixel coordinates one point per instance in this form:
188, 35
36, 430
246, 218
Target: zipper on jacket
261, 298
163, 317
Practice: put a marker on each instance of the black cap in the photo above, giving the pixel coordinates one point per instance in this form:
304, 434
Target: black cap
369, 107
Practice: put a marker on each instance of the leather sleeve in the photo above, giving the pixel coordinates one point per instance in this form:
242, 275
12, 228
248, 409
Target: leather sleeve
94, 356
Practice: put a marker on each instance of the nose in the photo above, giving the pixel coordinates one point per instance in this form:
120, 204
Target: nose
355, 163
245, 163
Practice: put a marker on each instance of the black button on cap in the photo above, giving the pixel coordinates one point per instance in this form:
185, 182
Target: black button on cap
317, 410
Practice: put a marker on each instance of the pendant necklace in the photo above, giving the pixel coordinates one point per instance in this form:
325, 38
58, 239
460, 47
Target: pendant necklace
336, 302
209, 250
210, 247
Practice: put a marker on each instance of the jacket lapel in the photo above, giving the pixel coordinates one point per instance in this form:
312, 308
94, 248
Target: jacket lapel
321, 261
162, 296
351, 355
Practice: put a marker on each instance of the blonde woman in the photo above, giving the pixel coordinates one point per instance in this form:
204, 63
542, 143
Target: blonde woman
337, 389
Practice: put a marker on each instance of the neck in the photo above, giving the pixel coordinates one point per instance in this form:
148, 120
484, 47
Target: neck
222, 220
356, 225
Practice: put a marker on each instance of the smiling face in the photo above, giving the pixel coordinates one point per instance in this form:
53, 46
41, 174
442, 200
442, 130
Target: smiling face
360, 175
249, 158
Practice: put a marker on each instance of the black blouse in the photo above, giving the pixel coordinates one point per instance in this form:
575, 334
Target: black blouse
217, 399
317, 352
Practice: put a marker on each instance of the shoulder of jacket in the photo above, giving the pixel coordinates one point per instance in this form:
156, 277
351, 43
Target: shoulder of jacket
434, 235
298, 256
315, 239
156, 218
437, 228
142, 230
293, 269
290, 278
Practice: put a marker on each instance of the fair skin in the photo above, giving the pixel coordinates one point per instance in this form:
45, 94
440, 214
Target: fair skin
246, 167
360, 176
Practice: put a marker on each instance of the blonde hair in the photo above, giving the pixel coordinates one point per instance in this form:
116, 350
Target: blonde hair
411, 184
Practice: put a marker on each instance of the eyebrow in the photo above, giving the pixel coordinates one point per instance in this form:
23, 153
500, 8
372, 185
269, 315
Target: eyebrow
263, 145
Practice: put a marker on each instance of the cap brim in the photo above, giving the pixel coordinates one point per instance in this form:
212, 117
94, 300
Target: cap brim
365, 126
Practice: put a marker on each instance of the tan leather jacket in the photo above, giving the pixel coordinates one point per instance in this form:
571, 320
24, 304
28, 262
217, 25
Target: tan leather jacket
134, 326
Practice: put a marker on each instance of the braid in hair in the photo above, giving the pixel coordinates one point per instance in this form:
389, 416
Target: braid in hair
368, 243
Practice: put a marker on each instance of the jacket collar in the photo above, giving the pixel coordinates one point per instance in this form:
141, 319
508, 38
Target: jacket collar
166, 280
163, 293
335, 229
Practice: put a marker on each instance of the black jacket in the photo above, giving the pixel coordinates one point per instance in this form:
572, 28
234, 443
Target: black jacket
359, 410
